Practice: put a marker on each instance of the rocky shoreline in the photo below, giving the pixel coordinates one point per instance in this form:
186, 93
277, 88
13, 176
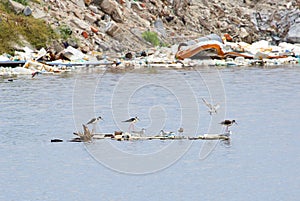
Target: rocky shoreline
108, 34
115, 27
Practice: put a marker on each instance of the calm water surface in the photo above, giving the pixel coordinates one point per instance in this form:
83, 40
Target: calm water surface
260, 163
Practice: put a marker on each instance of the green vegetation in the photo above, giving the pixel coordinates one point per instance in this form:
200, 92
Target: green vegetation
151, 37
24, 2
14, 29
65, 31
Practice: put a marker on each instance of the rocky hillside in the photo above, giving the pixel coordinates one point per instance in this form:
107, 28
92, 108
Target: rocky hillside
116, 26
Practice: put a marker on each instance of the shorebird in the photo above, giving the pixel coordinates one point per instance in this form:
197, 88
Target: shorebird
212, 108
94, 121
166, 134
180, 131
228, 123
132, 121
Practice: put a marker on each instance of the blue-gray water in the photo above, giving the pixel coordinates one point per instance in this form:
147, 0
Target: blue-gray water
261, 163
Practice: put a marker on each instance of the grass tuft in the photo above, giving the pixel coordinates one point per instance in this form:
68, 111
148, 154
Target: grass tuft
24, 2
151, 37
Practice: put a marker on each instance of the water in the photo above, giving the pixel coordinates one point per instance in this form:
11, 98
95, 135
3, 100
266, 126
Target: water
260, 163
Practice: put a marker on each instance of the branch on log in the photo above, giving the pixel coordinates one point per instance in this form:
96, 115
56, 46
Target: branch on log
86, 136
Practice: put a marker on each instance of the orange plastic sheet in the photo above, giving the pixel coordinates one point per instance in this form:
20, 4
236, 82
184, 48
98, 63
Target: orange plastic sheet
191, 48
189, 51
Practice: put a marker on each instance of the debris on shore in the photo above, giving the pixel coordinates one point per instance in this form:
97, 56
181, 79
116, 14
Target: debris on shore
207, 50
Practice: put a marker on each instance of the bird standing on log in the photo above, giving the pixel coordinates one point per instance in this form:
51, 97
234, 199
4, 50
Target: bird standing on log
132, 121
94, 121
228, 123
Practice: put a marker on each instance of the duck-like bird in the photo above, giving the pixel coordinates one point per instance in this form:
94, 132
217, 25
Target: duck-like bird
166, 133
228, 123
212, 108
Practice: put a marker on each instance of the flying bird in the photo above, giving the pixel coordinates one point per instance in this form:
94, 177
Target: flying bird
212, 108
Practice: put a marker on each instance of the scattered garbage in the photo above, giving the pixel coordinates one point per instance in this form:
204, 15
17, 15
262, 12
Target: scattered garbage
218, 52
85, 34
128, 55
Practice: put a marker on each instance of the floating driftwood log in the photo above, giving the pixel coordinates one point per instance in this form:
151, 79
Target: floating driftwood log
88, 136
56, 140
211, 137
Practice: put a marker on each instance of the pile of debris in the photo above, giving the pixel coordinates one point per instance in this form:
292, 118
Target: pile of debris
210, 50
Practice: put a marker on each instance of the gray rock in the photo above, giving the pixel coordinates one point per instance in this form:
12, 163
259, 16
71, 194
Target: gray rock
159, 26
38, 13
89, 18
27, 11
94, 9
112, 29
57, 47
103, 45
243, 33
293, 35
97, 2
17, 7
80, 23
79, 3
112, 8
73, 43
78, 14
